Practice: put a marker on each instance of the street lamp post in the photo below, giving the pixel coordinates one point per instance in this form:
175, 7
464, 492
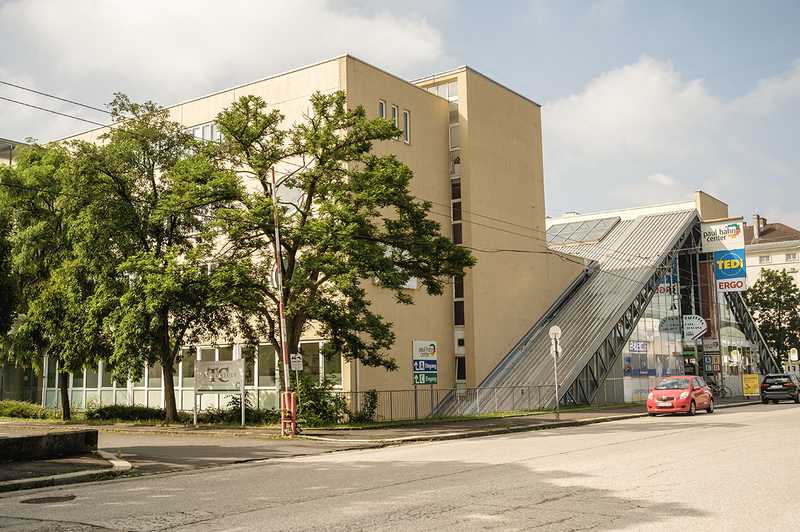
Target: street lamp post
288, 398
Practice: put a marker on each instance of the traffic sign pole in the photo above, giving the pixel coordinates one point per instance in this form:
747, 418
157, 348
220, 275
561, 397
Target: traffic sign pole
555, 350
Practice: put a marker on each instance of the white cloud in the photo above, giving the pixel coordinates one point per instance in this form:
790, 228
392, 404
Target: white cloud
640, 135
169, 51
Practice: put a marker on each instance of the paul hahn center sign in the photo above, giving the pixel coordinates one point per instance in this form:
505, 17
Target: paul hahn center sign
725, 238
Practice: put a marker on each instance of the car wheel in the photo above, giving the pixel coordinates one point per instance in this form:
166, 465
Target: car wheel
776, 401
710, 408
651, 414
797, 399
692, 408
764, 400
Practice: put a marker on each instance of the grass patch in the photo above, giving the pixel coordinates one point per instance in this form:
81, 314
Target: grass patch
22, 409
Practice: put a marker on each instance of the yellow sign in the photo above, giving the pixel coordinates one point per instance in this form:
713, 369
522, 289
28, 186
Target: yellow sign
750, 384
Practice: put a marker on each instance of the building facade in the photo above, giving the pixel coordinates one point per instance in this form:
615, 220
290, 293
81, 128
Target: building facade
475, 149
772, 246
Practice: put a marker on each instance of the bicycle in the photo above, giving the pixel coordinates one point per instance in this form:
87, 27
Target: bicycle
720, 390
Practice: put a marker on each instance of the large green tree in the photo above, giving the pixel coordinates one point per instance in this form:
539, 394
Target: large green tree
54, 289
774, 300
145, 217
346, 217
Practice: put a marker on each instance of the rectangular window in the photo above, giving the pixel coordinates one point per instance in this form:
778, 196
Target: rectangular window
407, 127
461, 368
457, 238
394, 119
455, 189
764, 259
456, 211
381, 109
458, 312
455, 162
458, 287
791, 256
455, 142
266, 365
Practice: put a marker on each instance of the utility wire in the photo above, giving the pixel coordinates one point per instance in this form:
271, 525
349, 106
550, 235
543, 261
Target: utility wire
53, 112
56, 98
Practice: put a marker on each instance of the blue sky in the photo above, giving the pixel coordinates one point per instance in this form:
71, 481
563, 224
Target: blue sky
643, 102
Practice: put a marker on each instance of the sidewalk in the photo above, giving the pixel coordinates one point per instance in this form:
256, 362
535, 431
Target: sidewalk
155, 448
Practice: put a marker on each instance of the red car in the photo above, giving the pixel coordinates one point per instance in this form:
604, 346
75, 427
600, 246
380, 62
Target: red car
681, 393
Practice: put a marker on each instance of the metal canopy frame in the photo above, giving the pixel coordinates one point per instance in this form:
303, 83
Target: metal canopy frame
584, 388
767, 363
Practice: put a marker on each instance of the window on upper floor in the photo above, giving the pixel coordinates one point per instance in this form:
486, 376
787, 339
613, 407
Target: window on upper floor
395, 118
381, 109
791, 256
407, 126
764, 259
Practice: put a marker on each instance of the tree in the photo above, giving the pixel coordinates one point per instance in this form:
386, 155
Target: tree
351, 219
9, 288
145, 223
53, 289
775, 302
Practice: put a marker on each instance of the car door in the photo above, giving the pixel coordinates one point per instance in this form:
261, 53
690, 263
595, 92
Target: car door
701, 397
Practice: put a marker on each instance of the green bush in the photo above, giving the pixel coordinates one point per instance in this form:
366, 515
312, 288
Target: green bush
233, 413
21, 409
318, 402
124, 413
368, 409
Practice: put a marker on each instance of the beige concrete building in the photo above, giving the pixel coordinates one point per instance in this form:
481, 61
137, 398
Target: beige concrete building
475, 148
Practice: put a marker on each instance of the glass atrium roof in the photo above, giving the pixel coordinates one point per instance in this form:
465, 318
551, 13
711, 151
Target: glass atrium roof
588, 231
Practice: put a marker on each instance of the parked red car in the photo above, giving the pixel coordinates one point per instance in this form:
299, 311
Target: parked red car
681, 393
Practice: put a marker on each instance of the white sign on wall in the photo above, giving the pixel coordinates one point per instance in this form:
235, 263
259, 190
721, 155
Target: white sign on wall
216, 376
722, 235
694, 327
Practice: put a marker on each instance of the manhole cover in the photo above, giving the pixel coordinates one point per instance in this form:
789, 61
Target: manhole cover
49, 500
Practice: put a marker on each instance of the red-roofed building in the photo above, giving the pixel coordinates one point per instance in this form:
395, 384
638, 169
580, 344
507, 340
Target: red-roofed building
774, 246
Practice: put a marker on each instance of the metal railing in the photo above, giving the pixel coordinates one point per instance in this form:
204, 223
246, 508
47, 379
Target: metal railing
425, 402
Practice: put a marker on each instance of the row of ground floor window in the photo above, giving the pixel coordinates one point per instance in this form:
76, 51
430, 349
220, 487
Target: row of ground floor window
94, 387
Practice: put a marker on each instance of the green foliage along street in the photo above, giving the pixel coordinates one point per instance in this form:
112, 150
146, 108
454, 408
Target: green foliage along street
127, 249
774, 301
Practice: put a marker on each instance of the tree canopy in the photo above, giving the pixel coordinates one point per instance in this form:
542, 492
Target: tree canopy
774, 300
350, 218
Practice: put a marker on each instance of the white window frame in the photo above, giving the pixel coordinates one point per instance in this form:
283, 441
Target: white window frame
395, 119
791, 257
406, 126
381, 109
765, 259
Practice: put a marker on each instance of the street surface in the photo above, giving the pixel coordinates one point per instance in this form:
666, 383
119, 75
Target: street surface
644, 474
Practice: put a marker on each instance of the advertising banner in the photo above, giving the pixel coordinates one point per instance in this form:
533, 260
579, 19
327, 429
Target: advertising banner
730, 271
750, 384
722, 235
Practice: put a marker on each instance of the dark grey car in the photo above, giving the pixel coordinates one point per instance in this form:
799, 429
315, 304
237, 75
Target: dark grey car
779, 386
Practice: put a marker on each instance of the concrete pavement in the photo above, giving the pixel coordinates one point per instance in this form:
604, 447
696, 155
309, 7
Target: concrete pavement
143, 449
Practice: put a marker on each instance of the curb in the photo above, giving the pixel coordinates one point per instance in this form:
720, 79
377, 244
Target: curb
78, 477
503, 430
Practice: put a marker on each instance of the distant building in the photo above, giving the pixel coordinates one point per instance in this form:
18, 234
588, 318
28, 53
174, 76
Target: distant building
772, 246
9, 150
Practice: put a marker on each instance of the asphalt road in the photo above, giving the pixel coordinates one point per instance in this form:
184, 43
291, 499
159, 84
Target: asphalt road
667, 472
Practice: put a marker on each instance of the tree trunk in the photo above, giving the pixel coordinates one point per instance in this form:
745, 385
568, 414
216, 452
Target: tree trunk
63, 380
170, 405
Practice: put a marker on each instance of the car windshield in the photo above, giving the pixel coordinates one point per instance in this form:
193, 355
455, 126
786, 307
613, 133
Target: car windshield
776, 379
673, 384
